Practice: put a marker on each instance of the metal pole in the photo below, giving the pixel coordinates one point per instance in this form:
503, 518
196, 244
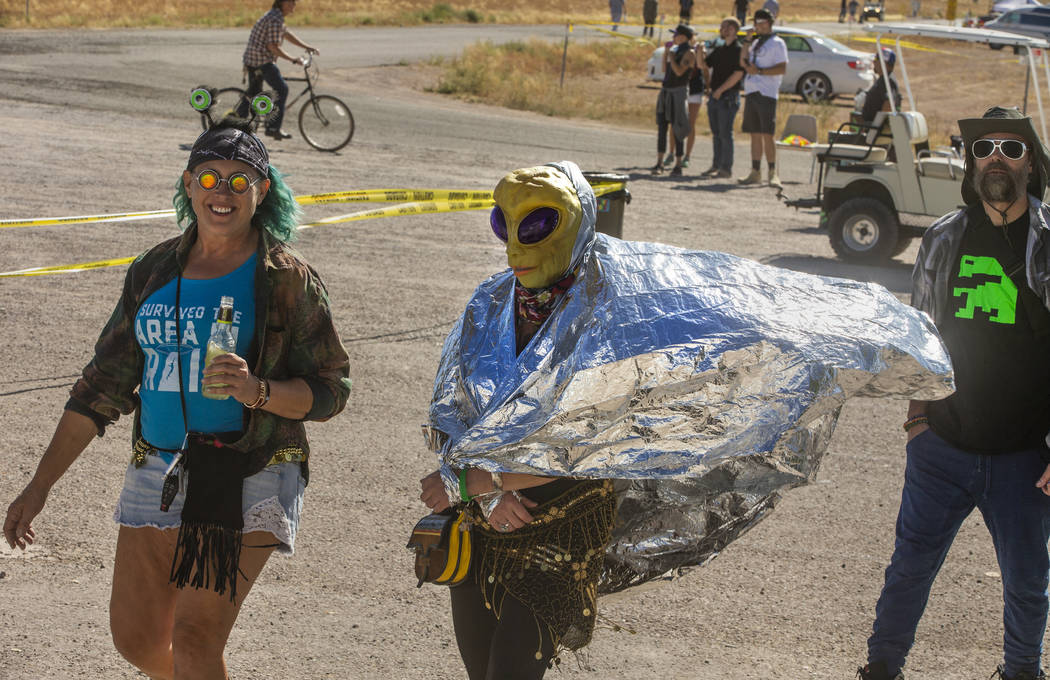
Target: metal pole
882, 60
564, 55
1027, 80
904, 72
1038, 94
27, 11
1046, 75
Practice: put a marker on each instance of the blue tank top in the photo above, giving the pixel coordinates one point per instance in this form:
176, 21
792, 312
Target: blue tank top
162, 424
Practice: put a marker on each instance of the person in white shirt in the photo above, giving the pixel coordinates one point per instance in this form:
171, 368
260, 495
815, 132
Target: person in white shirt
764, 59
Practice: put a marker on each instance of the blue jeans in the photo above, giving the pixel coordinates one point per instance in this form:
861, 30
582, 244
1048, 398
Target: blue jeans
272, 75
942, 485
721, 113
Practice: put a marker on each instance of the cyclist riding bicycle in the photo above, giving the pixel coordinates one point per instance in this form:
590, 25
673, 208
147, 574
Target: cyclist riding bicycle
260, 57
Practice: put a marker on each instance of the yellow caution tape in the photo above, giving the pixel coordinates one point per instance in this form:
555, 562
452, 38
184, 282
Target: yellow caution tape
617, 34
68, 268
84, 219
904, 43
391, 195
359, 196
419, 208
623, 23
477, 200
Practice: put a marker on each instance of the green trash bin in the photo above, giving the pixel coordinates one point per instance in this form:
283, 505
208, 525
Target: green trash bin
610, 205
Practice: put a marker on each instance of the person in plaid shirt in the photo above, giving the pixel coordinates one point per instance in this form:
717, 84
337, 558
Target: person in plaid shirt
260, 60
150, 360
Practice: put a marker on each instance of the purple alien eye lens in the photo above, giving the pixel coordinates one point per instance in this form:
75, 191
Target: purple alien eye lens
537, 225
498, 223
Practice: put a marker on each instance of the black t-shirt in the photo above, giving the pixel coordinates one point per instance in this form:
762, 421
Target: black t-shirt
998, 336
672, 79
876, 98
724, 60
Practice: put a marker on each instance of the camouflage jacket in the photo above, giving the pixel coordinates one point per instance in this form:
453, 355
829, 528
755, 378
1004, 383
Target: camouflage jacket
294, 338
940, 248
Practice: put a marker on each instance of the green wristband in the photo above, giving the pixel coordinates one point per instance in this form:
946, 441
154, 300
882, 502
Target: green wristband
463, 486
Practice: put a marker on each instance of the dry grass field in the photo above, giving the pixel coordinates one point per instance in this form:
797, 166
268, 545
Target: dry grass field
127, 13
605, 81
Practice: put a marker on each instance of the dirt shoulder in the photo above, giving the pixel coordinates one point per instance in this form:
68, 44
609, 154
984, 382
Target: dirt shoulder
792, 599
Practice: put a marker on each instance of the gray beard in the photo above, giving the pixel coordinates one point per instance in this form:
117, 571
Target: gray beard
998, 188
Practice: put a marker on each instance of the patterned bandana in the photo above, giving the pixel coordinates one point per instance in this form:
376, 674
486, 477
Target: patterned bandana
536, 305
230, 144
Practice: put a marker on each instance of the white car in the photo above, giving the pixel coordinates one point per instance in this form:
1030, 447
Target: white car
1004, 6
1033, 21
818, 67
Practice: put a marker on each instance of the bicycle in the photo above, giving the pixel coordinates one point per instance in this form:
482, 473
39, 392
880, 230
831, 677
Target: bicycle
325, 122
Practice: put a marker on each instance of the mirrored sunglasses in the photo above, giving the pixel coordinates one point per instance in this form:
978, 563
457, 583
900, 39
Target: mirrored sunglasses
238, 182
1010, 148
537, 225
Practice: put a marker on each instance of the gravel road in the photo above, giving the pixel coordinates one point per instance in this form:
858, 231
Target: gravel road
97, 121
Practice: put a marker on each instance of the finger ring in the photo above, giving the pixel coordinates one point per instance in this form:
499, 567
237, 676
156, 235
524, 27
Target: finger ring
504, 526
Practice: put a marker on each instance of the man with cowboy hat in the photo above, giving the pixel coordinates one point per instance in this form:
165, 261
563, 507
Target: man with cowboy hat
983, 275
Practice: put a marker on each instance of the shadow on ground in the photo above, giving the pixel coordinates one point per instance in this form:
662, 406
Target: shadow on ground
894, 275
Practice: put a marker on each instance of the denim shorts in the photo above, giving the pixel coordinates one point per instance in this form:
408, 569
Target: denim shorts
272, 500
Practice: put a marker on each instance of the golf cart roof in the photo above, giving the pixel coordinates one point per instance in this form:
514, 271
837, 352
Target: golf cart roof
976, 35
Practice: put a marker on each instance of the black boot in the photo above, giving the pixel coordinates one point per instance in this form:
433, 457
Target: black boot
877, 671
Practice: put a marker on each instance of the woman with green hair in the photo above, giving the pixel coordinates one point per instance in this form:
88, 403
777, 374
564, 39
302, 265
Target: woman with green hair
219, 462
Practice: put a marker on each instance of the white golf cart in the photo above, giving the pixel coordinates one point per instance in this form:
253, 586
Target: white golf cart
884, 185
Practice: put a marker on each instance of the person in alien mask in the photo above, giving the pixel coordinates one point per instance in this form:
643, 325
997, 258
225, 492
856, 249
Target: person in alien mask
608, 411
538, 540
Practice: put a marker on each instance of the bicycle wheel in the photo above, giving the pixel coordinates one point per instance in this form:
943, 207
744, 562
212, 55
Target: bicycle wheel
229, 100
326, 123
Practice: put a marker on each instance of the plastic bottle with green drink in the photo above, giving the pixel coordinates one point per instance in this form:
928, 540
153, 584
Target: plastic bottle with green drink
221, 342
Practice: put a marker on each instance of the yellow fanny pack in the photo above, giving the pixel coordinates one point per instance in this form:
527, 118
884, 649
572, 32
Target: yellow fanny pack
441, 542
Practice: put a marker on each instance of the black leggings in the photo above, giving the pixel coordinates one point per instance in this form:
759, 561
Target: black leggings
661, 141
498, 649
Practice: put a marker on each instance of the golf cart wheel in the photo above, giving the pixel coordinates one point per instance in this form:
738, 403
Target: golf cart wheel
814, 87
864, 230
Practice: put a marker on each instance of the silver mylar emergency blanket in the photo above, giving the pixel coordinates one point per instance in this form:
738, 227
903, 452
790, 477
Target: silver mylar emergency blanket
704, 382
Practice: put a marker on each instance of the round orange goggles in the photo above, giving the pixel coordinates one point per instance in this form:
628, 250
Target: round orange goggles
238, 182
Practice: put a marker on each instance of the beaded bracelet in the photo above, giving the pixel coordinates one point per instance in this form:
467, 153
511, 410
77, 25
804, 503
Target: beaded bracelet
915, 421
264, 395
463, 493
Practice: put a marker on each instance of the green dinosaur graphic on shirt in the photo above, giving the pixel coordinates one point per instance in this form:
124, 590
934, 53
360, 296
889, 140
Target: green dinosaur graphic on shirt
998, 298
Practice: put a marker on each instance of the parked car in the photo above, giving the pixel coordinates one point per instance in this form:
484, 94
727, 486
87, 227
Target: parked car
998, 8
819, 68
1004, 6
1031, 21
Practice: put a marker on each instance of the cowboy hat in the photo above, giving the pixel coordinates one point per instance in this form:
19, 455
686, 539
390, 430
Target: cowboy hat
999, 119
